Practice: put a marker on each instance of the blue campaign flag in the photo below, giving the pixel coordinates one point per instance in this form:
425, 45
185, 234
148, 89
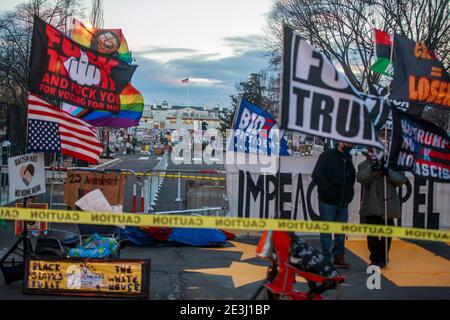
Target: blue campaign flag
256, 131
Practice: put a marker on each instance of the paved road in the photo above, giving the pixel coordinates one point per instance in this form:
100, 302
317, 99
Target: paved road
417, 270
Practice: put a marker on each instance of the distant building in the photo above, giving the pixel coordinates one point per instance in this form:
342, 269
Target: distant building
172, 117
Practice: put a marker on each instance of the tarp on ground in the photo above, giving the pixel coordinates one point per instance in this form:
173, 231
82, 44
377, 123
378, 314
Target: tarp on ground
198, 237
186, 236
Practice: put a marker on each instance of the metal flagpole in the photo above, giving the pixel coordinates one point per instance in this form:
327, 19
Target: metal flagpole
385, 196
188, 93
387, 166
53, 179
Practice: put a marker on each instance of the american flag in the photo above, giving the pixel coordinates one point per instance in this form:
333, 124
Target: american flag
53, 130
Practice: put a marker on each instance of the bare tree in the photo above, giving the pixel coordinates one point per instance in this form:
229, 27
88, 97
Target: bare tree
342, 29
15, 46
97, 14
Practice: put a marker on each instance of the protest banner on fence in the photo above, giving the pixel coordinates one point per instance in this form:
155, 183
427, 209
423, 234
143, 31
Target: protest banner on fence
26, 176
79, 183
254, 194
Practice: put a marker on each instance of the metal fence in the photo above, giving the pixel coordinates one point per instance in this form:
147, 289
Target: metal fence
168, 190
153, 191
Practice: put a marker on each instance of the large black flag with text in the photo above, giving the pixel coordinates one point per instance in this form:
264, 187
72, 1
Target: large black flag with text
419, 146
318, 100
419, 76
63, 70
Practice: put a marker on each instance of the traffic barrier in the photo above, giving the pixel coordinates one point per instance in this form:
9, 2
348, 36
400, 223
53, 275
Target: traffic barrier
178, 221
142, 199
133, 201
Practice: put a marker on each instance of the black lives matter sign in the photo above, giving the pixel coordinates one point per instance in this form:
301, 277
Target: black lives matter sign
318, 100
63, 70
420, 147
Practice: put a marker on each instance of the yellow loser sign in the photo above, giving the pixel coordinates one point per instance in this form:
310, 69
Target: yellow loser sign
118, 277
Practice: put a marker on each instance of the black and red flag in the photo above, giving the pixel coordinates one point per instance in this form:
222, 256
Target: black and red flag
65, 71
419, 146
419, 77
383, 47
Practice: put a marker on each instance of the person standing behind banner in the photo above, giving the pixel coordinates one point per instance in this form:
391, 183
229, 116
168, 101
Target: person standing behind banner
334, 175
371, 174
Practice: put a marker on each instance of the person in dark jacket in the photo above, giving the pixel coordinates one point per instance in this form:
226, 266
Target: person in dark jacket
334, 175
371, 175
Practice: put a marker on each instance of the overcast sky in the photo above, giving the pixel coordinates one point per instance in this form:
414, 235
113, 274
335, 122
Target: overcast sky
215, 43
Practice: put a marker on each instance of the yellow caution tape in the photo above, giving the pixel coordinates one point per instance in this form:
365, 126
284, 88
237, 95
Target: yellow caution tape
172, 221
174, 175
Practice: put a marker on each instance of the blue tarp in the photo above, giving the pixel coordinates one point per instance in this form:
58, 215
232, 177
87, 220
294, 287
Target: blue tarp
137, 237
198, 237
186, 236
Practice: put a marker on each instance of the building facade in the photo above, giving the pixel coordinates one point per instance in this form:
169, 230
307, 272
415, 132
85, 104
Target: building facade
172, 117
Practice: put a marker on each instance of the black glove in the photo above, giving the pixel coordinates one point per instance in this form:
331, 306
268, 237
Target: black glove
385, 171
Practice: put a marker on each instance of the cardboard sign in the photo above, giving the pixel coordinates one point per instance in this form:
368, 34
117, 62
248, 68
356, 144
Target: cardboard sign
79, 183
34, 227
128, 278
26, 176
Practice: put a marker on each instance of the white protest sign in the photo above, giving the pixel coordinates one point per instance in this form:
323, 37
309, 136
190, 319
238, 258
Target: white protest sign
26, 175
94, 201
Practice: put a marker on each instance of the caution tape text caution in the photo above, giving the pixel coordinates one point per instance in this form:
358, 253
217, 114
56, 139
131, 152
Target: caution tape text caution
177, 221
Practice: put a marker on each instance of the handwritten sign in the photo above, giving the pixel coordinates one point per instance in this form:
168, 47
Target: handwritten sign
94, 277
79, 183
26, 176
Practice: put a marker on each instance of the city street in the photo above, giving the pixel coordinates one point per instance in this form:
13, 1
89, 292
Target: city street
417, 270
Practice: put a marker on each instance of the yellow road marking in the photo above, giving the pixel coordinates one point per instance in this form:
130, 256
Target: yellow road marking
409, 265
241, 273
248, 250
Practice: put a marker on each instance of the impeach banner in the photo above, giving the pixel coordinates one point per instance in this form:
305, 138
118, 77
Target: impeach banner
86, 277
63, 70
420, 146
318, 100
418, 75
79, 183
256, 194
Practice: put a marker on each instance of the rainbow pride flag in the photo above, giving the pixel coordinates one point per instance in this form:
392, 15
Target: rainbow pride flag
107, 41
131, 107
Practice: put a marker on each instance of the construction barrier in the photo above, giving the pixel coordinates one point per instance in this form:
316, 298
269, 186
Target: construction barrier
159, 220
